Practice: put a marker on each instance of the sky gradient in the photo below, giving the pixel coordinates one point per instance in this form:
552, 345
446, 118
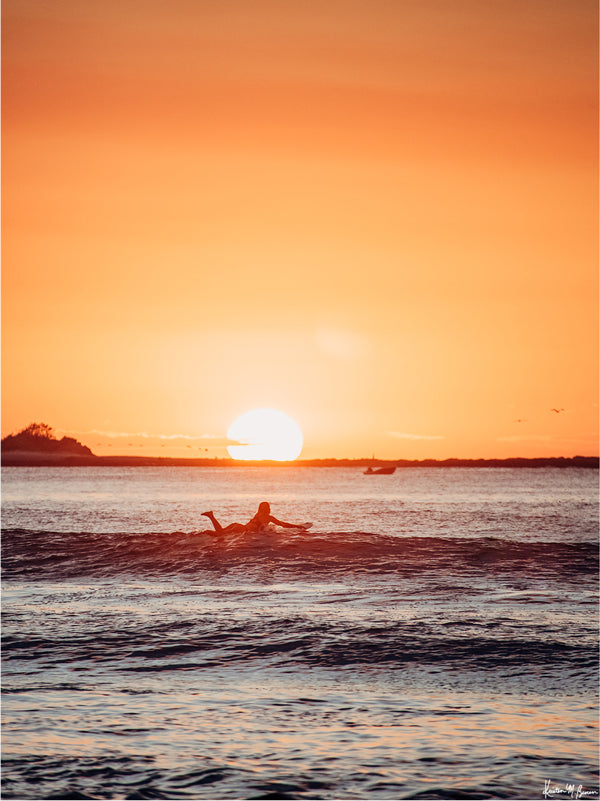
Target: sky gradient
378, 217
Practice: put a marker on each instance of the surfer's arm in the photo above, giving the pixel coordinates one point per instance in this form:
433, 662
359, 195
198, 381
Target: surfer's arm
284, 524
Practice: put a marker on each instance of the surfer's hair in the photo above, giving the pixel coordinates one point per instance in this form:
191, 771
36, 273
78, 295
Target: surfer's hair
264, 507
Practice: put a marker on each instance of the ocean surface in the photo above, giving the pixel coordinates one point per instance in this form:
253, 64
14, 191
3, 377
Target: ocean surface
434, 635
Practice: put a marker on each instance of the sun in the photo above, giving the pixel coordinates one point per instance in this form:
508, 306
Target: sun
265, 434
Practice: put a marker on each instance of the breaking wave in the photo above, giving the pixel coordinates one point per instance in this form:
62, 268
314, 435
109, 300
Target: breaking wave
50, 555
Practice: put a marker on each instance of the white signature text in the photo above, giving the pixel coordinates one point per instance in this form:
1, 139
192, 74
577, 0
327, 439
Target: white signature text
553, 789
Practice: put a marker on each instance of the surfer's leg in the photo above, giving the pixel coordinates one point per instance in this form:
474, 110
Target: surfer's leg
234, 528
211, 516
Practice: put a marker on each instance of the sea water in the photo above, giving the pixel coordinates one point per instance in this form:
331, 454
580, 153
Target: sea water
433, 635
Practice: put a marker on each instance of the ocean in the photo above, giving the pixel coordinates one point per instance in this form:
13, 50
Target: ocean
434, 635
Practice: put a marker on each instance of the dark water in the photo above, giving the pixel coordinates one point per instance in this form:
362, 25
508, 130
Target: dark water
433, 636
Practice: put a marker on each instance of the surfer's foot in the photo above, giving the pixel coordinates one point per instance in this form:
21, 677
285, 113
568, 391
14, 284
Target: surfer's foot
211, 516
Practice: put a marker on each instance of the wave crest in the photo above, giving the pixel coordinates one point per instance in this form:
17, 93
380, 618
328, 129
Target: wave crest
52, 555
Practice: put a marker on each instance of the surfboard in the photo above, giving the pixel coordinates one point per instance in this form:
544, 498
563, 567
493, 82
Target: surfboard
299, 527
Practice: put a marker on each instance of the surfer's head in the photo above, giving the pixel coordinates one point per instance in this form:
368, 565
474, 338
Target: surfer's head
264, 510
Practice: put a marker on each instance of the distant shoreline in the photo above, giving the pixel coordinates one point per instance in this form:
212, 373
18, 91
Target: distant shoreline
28, 459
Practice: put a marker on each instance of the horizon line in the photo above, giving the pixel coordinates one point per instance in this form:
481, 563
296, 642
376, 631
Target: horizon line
33, 458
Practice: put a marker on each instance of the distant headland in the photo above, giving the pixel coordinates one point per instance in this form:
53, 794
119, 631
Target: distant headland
36, 446
37, 442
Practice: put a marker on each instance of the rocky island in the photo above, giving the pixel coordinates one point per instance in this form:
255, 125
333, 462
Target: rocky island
37, 445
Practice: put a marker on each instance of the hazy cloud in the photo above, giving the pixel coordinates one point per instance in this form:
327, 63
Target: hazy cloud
402, 435
524, 438
213, 439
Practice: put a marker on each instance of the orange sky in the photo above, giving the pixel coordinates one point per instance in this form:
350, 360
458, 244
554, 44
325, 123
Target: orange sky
377, 216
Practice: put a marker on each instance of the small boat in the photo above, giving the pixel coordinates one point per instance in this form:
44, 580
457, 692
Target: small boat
381, 471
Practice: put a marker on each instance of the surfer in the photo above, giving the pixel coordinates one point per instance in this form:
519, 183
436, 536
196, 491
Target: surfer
261, 519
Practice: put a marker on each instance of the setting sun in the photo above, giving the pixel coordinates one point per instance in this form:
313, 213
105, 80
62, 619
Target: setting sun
265, 434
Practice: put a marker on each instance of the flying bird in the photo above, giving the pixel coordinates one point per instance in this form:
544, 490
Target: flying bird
558, 411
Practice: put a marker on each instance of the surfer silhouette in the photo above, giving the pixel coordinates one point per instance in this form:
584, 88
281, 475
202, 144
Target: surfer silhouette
261, 519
